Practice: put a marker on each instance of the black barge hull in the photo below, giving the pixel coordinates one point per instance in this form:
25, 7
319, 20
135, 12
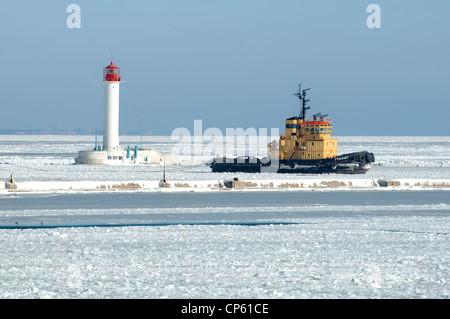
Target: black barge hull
352, 163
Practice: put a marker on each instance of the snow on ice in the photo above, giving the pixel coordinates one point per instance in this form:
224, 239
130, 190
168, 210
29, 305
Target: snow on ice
347, 241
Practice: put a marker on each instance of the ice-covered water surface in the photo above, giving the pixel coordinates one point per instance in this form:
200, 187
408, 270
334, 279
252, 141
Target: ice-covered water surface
352, 244
310, 244
51, 158
327, 258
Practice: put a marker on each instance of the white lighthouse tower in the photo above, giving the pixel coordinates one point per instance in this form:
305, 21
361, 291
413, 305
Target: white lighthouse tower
111, 83
112, 153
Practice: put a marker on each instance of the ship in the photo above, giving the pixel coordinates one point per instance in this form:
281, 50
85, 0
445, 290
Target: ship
305, 148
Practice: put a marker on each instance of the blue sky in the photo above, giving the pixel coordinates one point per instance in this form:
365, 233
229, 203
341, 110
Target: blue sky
230, 63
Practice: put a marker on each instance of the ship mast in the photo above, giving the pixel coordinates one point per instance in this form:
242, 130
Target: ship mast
301, 94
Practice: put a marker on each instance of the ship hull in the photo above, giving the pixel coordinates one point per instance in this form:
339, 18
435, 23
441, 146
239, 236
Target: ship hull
352, 163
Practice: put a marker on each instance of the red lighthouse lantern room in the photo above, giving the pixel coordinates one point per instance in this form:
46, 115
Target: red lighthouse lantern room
111, 73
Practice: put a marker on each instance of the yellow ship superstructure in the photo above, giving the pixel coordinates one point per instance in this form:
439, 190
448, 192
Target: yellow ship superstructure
307, 139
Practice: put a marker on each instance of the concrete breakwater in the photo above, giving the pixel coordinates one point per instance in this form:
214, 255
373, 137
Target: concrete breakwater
219, 185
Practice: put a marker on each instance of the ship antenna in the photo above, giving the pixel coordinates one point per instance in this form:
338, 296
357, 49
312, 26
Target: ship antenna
301, 94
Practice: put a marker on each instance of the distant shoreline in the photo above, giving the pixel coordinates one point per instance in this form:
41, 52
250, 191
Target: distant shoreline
93, 132
67, 132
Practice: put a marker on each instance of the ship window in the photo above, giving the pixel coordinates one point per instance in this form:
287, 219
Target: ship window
307, 129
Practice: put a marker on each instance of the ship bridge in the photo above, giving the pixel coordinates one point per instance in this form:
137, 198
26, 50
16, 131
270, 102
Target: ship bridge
306, 139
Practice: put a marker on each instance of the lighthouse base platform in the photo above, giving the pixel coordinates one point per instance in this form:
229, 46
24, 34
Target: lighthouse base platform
122, 156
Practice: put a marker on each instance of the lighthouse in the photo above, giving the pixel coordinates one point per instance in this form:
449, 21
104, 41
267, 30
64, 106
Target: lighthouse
112, 153
111, 83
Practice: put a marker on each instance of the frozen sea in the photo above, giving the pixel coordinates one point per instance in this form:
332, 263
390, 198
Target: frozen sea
373, 243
